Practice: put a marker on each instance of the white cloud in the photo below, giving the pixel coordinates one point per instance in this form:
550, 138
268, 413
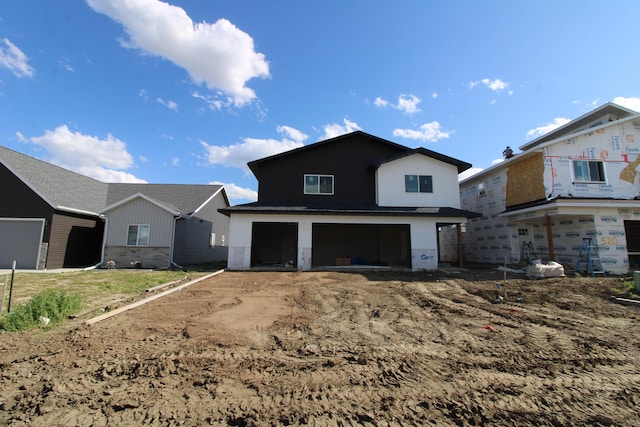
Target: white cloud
539, 131
434, 95
427, 132
175, 161
380, 103
469, 172
217, 54
13, 59
21, 137
630, 103
169, 104
64, 63
101, 159
335, 129
238, 155
495, 84
408, 104
238, 194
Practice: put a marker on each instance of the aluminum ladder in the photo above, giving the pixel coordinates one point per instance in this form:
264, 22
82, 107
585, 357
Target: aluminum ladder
589, 255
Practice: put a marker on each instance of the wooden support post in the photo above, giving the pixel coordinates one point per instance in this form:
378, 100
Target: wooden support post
552, 255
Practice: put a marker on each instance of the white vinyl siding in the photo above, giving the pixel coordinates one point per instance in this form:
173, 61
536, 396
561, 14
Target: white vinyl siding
391, 182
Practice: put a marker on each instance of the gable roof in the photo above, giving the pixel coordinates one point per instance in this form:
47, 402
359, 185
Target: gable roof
609, 110
59, 187
182, 198
462, 166
171, 209
65, 190
255, 164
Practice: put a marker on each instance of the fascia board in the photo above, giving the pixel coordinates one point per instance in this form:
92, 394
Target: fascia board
142, 196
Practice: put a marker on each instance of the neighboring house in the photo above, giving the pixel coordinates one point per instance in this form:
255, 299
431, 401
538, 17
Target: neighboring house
351, 200
53, 218
577, 182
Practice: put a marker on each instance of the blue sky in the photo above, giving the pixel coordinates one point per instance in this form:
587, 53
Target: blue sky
190, 91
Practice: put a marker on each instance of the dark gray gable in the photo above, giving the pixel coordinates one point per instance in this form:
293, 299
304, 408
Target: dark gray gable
59, 187
256, 164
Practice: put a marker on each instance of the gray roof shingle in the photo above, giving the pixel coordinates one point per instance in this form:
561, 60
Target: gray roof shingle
67, 190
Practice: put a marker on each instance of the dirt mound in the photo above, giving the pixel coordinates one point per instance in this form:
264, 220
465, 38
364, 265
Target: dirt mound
329, 348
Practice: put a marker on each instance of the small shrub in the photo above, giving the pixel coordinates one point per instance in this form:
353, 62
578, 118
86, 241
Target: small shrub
51, 305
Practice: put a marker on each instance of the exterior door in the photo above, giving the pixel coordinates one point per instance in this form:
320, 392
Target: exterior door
526, 247
632, 232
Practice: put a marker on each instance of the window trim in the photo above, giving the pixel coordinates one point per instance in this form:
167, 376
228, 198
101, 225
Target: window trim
428, 190
318, 176
600, 170
148, 227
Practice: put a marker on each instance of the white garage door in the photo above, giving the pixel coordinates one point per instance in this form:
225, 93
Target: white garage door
20, 241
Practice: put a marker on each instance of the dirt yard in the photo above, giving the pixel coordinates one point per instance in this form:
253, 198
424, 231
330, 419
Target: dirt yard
328, 348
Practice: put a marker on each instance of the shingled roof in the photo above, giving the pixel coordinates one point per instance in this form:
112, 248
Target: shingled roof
71, 191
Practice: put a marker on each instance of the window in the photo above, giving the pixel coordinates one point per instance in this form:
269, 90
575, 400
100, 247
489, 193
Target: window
418, 184
318, 184
588, 171
138, 235
481, 190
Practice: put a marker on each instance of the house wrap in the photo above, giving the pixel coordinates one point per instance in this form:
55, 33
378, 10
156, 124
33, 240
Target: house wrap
580, 181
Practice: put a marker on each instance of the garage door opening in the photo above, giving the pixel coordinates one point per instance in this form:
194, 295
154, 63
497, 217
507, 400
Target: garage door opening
361, 244
274, 244
632, 231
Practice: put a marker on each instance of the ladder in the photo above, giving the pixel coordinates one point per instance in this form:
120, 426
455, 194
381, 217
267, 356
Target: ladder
589, 255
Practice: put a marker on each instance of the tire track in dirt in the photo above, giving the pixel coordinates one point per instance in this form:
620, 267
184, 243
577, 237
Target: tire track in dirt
348, 350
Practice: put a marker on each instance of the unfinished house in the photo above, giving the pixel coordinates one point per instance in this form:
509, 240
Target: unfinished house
351, 201
578, 182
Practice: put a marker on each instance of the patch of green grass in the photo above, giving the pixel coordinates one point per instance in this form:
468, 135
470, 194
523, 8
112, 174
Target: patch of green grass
46, 308
628, 287
94, 288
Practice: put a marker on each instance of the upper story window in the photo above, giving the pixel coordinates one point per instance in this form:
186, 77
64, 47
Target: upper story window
588, 171
482, 191
138, 235
418, 184
318, 184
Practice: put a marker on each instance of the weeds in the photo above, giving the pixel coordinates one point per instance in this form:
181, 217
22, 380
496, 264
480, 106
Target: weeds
46, 308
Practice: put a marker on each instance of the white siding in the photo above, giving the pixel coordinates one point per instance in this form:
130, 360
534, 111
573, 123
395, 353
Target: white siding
424, 252
391, 185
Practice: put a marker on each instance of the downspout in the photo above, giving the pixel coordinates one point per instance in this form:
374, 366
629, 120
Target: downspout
173, 242
104, 245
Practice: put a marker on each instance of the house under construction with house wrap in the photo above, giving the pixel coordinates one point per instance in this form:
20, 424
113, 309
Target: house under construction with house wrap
579, 183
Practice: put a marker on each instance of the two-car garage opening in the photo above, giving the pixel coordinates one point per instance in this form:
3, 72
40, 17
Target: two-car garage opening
275, 244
